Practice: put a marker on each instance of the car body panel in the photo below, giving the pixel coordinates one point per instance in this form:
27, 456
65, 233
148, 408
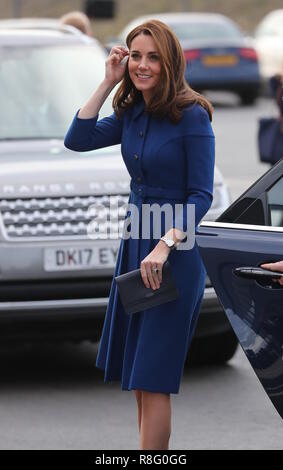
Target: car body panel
270, 54
254, 308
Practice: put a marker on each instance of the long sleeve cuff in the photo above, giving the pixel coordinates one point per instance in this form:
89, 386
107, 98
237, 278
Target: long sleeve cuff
75, 138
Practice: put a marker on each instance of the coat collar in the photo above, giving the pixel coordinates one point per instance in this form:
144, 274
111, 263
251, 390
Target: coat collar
138, 109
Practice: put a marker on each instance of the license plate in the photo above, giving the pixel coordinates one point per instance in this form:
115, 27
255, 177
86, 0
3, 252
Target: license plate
220, 61
73, 258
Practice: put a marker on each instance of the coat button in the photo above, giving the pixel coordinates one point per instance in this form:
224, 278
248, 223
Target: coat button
139, 178
136, 157
141, 133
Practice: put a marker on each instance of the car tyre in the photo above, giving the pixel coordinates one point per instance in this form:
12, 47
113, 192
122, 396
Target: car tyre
216, 349
248, 98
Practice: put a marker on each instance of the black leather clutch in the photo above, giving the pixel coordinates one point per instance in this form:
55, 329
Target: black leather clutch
136, 297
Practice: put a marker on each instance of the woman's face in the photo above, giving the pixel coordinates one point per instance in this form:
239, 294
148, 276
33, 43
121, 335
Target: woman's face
144, 65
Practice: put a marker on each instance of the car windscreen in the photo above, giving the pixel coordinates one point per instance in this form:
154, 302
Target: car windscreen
205, 30
41, 88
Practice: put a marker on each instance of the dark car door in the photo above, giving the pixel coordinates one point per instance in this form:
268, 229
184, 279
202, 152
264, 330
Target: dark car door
247, 234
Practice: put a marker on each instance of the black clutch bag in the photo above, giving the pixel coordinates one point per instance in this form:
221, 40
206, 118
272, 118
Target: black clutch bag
136, 297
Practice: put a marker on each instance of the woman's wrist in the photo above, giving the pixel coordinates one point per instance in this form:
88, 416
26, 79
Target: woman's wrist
108, 84
161, 245
175, 234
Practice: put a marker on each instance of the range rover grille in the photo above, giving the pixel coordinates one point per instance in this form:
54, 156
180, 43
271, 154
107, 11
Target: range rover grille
50, 217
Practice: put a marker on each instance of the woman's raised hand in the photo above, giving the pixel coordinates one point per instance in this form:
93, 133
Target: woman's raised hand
114, 70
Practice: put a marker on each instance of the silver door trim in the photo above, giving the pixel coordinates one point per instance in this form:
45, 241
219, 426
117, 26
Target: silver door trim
54, 304
261, 228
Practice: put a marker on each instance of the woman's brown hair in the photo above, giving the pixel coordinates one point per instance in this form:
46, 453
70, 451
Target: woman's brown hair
174, 94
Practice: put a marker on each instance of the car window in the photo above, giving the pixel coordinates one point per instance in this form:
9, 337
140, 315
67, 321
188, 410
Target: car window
204, 30
193, 30
247, 211
41, 88
275, 204
265, 209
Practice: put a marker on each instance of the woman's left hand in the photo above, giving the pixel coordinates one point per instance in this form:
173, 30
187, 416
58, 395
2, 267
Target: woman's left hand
155, 259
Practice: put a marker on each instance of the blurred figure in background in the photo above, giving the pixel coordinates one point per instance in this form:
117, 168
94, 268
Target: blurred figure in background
79, 20
270, 134
276, 85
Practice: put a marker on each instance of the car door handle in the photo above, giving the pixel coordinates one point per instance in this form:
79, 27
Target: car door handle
258, 274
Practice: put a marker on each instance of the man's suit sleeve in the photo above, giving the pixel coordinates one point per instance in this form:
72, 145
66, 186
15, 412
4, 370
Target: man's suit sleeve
90, 134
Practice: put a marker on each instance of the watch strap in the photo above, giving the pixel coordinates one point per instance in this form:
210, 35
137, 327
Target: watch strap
164, 240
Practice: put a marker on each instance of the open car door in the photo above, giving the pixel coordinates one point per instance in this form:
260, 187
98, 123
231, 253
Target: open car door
248, 234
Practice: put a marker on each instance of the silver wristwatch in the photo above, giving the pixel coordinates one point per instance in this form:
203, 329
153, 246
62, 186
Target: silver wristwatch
169, 242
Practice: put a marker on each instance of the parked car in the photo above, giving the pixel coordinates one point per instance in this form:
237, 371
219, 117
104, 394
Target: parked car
55, 278
37, 23
246, 235
218, 55
269, 44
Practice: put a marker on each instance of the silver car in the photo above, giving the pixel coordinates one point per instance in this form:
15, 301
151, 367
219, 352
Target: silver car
54, 277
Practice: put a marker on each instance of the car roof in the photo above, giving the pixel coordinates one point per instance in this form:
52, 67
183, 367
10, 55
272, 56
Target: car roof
183, 17
188, 16
278, 12
40, 31
267, 19
170, 17
271, 15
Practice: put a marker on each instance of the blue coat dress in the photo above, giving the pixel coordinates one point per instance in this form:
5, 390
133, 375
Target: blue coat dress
168, 163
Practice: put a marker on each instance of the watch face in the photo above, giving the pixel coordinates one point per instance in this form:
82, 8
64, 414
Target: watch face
170, 242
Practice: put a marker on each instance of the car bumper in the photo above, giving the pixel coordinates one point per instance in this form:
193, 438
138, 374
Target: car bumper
78, 319
237, 87
229, 78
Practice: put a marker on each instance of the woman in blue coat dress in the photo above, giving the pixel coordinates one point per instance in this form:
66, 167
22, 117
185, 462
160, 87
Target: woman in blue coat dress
167, 145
